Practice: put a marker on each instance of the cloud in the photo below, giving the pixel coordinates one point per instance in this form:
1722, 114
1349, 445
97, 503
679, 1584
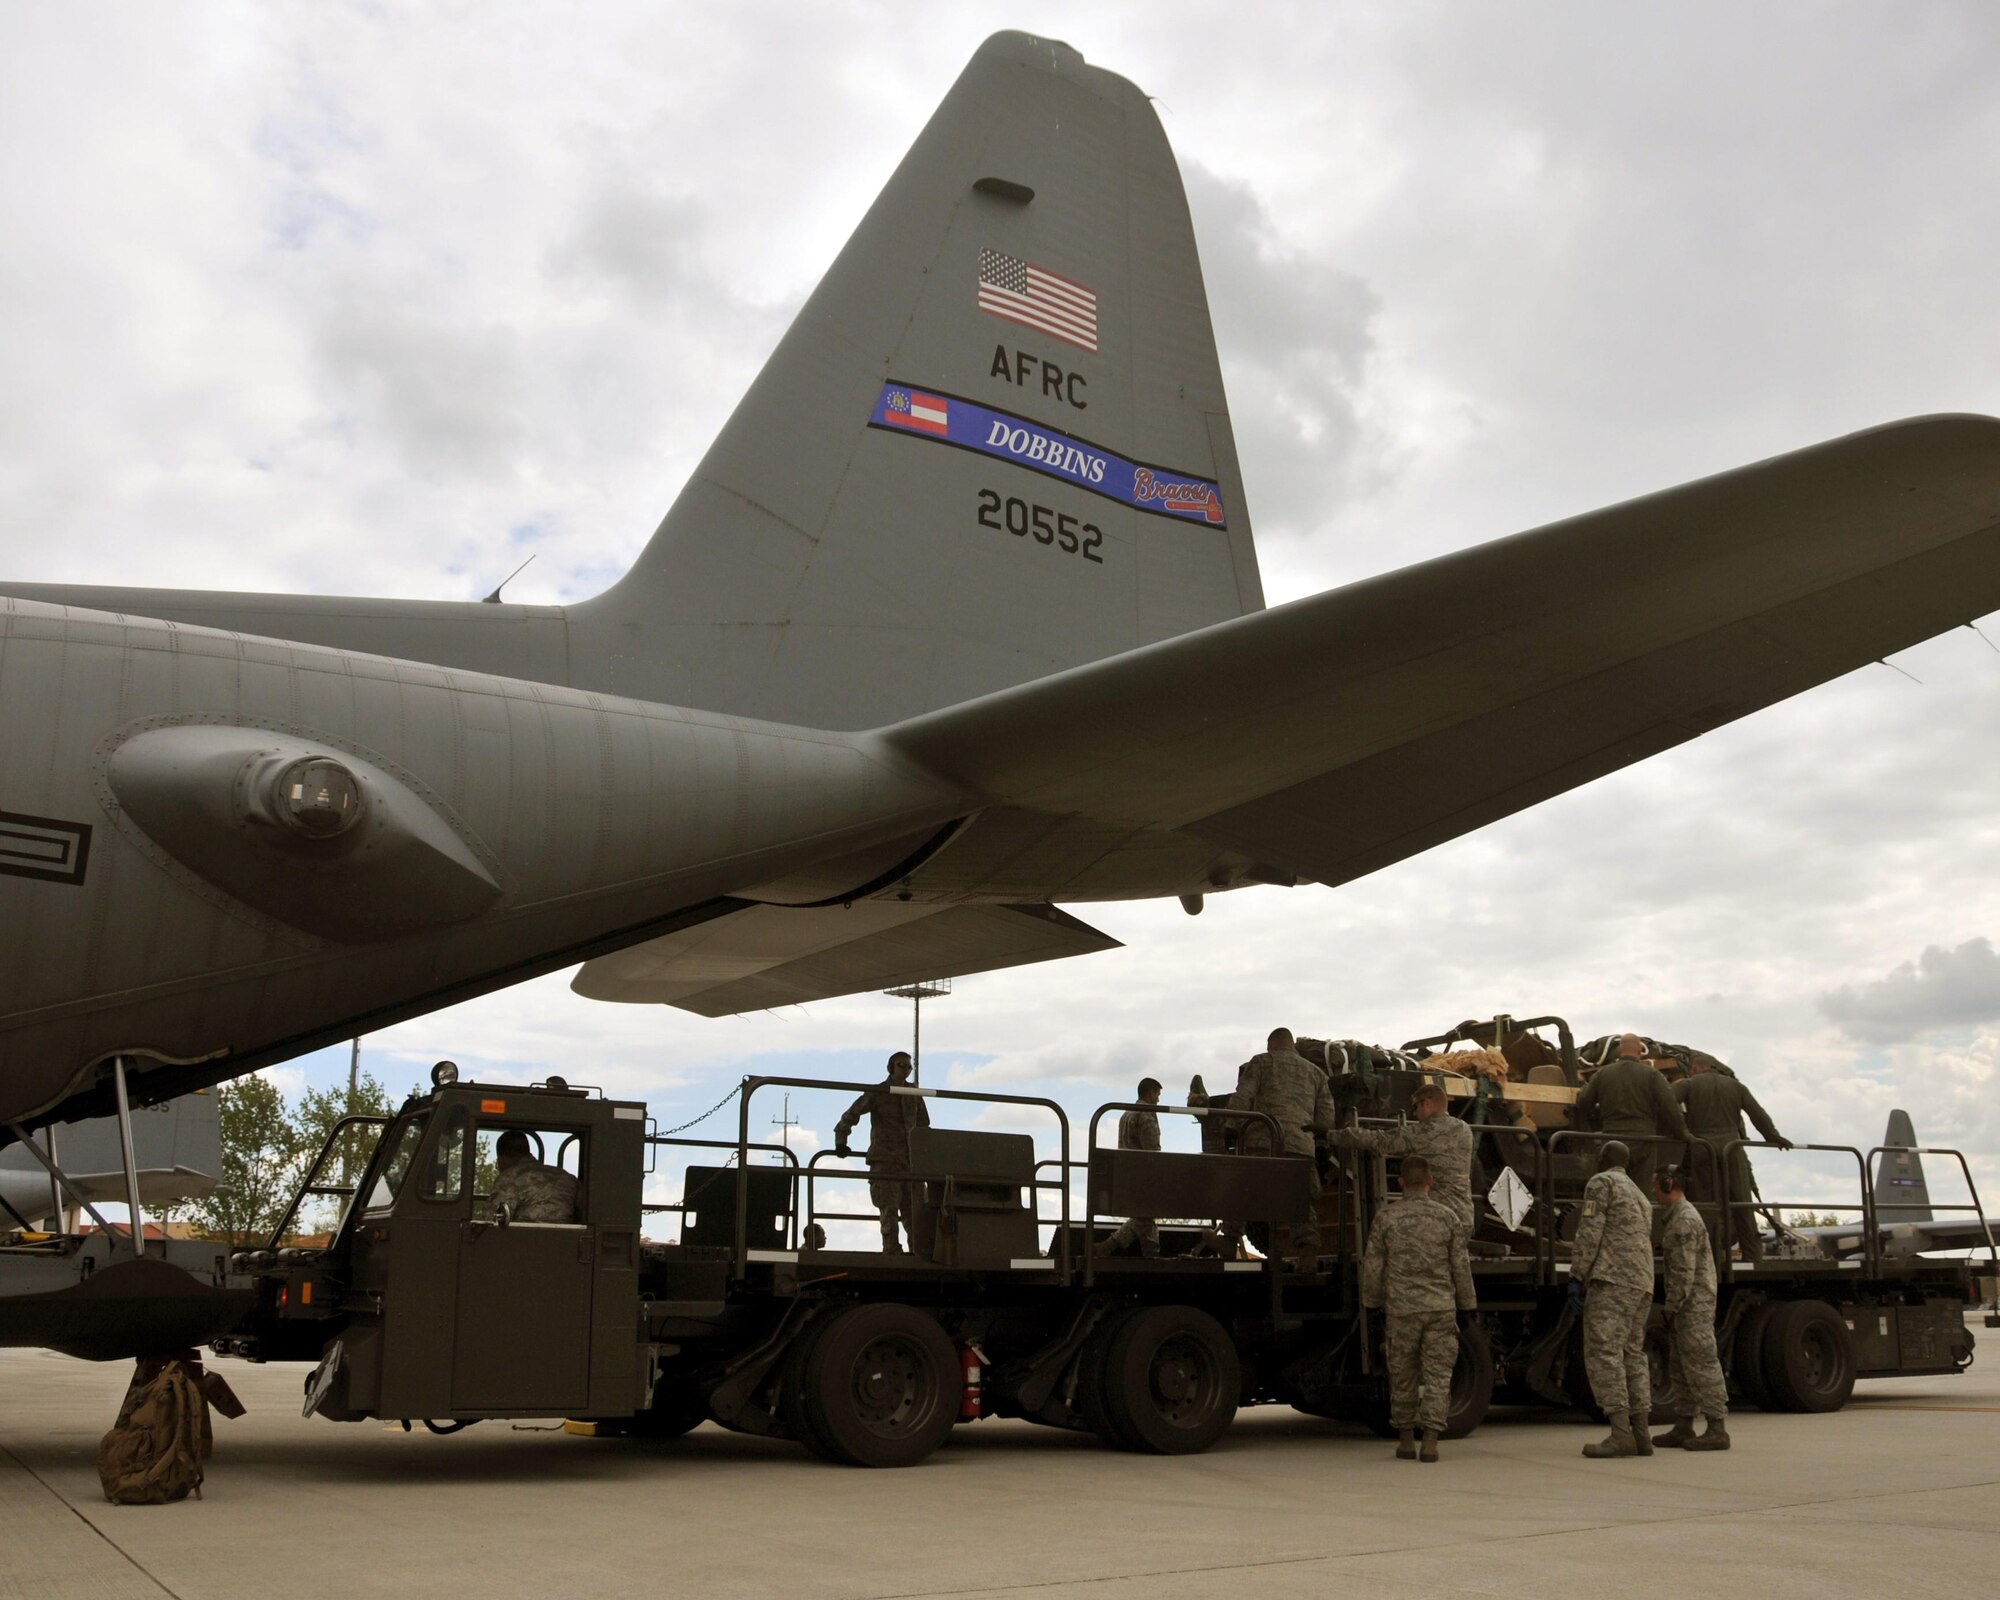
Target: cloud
1296, 334
1940, 989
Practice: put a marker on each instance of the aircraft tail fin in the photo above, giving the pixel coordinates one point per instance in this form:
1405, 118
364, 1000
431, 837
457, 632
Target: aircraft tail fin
993, 445
1901, 1194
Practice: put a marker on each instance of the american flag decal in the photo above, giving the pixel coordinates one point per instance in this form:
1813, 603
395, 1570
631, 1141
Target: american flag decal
1021, 292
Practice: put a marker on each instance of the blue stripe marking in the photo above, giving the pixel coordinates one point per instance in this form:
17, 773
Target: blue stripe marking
905, 408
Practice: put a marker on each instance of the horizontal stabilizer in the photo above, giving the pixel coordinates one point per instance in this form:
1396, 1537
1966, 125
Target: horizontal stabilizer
1313, 737
767, 956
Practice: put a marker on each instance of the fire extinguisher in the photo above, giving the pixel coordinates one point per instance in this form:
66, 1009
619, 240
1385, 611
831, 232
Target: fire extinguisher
971, 1360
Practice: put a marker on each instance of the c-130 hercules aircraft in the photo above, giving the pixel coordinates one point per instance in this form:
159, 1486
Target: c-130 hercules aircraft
958, 619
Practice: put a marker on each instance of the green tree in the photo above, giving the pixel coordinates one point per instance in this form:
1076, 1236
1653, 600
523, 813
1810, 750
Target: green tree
267, 1149
314, 1118
260, 1157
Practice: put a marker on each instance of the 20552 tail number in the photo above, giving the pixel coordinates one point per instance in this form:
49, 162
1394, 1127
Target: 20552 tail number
1023, 519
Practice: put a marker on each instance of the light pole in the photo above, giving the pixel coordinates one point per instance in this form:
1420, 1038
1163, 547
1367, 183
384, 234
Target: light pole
917, 994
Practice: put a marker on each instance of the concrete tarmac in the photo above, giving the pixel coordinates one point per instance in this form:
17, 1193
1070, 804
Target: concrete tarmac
1900, 1492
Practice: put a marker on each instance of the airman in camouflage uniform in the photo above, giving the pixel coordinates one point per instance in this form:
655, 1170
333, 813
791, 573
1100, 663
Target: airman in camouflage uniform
530, 1191
890, 1116
1285, 1086
1441, 1139
1694, 1372
1415, 1270
1612, 1257
1628, 1099
1139, 1130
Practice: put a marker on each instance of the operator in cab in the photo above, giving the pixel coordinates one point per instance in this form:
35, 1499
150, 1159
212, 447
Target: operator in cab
530, 1190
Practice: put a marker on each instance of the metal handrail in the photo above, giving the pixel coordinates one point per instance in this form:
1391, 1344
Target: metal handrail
753, 1084
1870, 1249
1978, 1210
1541, 1186
1097, 1116
358, 1119
655, 1140
813, 1172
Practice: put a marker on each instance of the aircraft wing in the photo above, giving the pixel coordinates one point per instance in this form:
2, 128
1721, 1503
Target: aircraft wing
1335, 735
766, 955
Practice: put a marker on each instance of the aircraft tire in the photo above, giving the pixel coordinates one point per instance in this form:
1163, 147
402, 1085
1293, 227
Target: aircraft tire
1171, 1380
1808, 1357
881, 1386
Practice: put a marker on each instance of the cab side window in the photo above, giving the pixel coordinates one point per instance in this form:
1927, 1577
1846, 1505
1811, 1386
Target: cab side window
444, 1173
537, 1173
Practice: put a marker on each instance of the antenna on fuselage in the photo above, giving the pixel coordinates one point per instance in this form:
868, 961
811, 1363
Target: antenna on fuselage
493, 599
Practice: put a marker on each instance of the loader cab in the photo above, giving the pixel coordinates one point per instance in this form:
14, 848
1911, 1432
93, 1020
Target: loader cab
461, 1309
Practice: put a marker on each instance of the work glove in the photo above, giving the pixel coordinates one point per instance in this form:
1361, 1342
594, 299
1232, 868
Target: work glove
1782, 1144
1576, 1293
840, 1148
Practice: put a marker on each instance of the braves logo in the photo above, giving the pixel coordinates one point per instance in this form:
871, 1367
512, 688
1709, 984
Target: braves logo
1177, 496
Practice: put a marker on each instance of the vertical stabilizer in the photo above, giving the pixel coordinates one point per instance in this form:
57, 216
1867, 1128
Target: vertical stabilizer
1901, 1194
994, 444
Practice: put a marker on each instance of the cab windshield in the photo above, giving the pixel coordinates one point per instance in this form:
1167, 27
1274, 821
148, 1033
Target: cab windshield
399, 1151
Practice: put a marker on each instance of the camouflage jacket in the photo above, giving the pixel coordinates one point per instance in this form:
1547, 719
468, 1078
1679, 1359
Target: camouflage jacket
1416, 1259
1689, 1260
1442, 1140
890, 1119
1716, 1106
1630, 1097
1284, 1085
532, 1192
1139, 1130
1614, 1240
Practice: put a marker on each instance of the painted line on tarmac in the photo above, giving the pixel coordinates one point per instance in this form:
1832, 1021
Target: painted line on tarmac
76, 1511
1988, 1410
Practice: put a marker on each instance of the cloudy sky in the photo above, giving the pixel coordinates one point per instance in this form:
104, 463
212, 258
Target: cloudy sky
358, 299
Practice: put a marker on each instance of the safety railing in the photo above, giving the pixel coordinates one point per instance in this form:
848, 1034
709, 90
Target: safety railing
682, 1206
1971, 1204
1734, 1206
309, 1187
751, 1086
1199, 1113
1511, 1149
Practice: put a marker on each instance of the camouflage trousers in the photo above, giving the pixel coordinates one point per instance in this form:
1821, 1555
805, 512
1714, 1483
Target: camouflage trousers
1142, 1231
1614, 1349
1694, 1373
1422, 1347
895, 1198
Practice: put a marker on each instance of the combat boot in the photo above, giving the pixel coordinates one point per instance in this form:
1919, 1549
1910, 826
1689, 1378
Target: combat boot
1682, 1431
1430, 1449
1406, 1444
1618, 1443
1642, 1441
1716, 1438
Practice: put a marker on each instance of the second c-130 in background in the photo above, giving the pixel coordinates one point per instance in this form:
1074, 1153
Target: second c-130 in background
958, 620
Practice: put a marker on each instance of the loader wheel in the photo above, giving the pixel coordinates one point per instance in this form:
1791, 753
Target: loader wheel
677, 1408
1090, 1398
881, 1386
795, 1406
1808, 1357
1171, 1380
1471, 1383
1746, 1357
